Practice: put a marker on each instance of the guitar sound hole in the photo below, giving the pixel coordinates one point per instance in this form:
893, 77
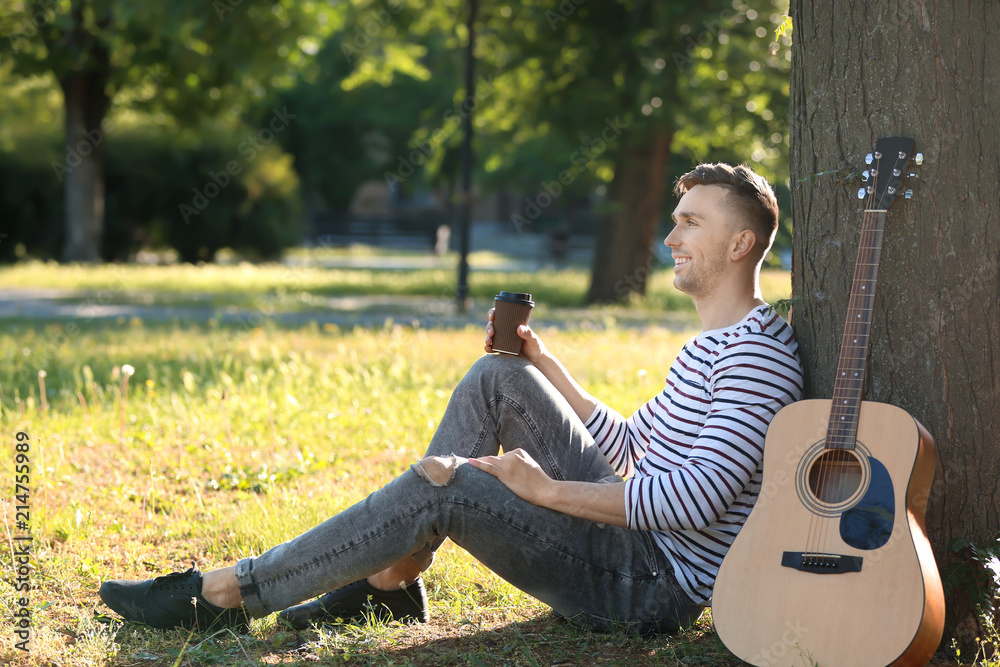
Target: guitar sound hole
835, 476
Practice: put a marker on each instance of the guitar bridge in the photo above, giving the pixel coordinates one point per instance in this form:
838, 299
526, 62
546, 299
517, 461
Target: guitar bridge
819, 563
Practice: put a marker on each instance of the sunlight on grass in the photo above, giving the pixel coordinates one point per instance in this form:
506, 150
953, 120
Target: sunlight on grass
306, 287
235, 441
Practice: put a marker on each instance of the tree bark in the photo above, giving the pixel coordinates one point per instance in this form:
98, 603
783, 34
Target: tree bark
86, 102
925, 69
624, 256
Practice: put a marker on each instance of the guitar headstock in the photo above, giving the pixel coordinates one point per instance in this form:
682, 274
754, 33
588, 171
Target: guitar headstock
887, 167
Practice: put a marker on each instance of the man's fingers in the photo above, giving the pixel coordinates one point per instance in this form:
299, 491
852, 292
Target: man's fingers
486, 464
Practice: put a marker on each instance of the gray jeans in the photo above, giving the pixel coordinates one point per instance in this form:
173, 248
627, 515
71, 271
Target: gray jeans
596, 575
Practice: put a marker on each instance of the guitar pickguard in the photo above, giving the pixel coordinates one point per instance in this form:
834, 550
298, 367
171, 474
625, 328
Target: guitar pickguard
868, 524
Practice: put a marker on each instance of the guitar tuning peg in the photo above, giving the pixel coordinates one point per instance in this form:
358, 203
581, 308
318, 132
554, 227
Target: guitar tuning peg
891, 190
918, 159
908, 193
878, 155
902, 155
868, 159
896, 172
861, 193
865, 175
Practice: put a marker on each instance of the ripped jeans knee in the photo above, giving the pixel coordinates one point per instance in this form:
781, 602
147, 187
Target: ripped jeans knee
438, 470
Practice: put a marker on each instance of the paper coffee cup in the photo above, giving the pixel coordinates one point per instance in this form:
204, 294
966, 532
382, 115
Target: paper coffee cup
512, 309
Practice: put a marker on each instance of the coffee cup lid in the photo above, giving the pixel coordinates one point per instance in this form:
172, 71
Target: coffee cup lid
523, 298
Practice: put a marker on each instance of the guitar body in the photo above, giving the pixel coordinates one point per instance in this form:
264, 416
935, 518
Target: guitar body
874, 596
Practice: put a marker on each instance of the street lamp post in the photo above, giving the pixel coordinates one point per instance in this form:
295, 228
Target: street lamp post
462, 292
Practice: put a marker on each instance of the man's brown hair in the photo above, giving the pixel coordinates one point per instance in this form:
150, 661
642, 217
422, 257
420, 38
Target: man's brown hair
750, 197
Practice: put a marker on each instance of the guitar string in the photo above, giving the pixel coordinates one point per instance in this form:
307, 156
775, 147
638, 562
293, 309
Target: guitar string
836, 438
819, 524
872, 236
850, 395
842, 430
817, 543
835, 430
868, 302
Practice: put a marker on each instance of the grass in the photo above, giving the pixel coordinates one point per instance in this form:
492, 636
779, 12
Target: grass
235, 442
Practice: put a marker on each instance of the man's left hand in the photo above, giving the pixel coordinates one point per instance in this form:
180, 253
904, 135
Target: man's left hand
519, 473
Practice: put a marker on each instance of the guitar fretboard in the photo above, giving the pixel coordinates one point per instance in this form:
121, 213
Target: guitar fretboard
848, 388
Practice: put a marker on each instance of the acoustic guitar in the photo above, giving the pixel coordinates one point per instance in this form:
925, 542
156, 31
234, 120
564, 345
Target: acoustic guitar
833, 567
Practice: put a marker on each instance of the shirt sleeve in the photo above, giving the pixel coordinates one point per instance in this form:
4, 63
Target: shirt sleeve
622, 441
751, 380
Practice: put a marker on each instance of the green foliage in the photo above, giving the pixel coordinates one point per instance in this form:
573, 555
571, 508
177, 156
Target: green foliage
975, 574
208, 57
558, 71
198, 198
30, 198
151, 175
376, 84
351, 130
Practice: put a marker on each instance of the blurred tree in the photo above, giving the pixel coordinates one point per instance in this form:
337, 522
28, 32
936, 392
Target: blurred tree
627, 85
575, 97
363, 101
189, 59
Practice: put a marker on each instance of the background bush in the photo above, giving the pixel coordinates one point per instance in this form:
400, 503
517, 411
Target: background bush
150, 173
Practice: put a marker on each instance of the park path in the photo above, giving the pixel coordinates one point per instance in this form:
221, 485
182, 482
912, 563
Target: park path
85, 306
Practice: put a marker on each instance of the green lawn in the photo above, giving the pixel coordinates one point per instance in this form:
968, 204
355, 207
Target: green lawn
226, 443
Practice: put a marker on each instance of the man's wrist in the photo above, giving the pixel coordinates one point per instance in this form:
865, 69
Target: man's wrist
545, 360
549, 495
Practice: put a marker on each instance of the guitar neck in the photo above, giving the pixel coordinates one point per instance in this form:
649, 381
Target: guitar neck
848, 388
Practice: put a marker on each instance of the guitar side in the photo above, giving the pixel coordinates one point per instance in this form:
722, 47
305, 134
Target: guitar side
890, 611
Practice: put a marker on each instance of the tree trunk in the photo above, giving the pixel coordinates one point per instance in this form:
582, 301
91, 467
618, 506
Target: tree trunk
86, 101
623, 259
924, 69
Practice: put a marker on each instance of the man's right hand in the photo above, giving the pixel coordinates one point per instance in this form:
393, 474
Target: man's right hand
532, 347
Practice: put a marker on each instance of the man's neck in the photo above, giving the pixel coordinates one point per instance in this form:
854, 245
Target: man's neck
728, 305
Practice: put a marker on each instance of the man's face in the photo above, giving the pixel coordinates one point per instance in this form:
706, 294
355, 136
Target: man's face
700, 240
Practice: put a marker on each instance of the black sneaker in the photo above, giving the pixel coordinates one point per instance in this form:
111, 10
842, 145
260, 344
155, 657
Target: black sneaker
173, 600
357, 602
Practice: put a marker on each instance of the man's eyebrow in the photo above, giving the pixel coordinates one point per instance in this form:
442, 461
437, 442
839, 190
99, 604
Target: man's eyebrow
686, 214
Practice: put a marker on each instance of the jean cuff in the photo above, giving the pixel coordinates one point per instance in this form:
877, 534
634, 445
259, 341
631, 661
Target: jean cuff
248, 589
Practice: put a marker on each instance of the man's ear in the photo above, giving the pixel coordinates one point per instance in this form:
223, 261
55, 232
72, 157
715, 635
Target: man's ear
743, 244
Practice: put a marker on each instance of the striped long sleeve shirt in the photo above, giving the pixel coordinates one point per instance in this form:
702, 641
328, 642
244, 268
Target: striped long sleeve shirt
693, 454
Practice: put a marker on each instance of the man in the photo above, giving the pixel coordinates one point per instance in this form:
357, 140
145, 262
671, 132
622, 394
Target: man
552, 515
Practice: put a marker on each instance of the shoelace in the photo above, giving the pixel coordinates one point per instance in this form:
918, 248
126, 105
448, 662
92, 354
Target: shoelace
175, 581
